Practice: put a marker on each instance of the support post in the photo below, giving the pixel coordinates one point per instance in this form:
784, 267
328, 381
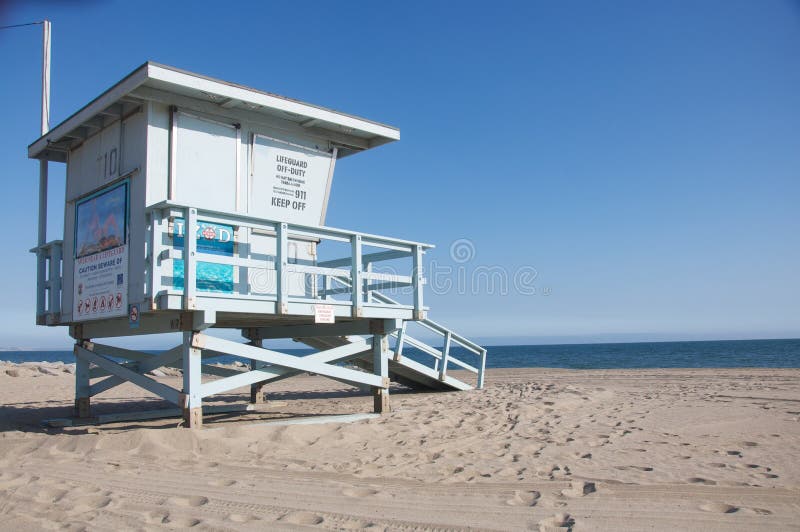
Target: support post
189, 259
481, 370
367, 293
445, 356
82, 388
281, 275
356, 277
41, 256
192, 402
41, 259
256, 389
416, 283
380, 348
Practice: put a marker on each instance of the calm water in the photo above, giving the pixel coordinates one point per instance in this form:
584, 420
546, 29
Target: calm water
708, 354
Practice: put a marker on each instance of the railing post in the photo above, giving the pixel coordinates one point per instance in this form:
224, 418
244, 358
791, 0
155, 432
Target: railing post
189, 256
54, 281
416, 283
156, 238
481, 370
356, 277
41, 285
326, 286
367, 293
445, 356
281, 277
41, 254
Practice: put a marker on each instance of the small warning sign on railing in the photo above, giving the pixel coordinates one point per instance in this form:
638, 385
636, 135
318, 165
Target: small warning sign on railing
323, 313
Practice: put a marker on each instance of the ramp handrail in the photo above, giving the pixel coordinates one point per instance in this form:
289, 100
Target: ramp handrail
441, 357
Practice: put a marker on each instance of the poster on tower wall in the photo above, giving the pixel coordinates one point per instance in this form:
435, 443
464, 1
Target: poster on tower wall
289, 182
100, 288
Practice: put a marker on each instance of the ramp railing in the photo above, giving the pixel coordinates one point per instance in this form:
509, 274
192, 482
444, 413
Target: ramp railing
441, 358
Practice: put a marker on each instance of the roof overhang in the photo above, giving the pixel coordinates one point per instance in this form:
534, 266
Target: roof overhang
354, 133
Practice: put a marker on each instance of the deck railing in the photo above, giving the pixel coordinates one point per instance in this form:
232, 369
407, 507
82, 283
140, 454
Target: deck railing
48, 282
281, 281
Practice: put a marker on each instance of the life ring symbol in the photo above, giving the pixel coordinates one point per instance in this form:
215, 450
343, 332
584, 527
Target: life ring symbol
209, 233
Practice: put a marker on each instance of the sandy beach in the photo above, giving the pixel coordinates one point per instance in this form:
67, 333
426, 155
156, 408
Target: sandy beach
537, 449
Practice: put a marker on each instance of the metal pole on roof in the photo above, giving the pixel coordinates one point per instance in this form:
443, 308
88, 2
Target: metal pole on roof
45, 128
41, 256
45, 76
41, 259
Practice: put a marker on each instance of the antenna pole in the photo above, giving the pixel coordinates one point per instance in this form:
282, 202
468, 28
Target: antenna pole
45, 129
41, 261
45, 76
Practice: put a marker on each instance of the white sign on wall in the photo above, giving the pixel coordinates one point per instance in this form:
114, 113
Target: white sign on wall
289, 182
100, 290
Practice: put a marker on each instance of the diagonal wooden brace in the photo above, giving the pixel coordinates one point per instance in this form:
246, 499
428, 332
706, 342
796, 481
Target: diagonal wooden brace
151, 363
155, 387
283, 360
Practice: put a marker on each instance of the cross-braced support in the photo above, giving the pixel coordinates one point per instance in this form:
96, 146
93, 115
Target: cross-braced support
96, 360
273, 365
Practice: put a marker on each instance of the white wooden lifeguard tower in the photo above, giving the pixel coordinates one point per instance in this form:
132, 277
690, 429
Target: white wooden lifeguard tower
192, 204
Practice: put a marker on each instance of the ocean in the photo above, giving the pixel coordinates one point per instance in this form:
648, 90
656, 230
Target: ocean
695, 354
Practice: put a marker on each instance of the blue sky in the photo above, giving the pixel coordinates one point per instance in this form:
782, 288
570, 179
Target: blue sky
642, 157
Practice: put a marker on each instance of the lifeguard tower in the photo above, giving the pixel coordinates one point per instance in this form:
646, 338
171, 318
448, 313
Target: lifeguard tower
194, 204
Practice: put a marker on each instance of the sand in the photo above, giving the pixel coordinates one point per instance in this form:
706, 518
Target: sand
538, 449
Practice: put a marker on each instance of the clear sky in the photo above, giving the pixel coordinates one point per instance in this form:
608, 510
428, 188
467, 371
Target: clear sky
642, 157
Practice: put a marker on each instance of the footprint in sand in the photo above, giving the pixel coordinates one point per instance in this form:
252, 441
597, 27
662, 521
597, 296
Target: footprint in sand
50, 495
241, 518
561, 522
302, 518
757, 511
579, 489
221, 483
157, 516
524, 498
355, 525
10, 480
638, 468
359, 492
182, 522
89, 503
701, 480
193, 501
719, 508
